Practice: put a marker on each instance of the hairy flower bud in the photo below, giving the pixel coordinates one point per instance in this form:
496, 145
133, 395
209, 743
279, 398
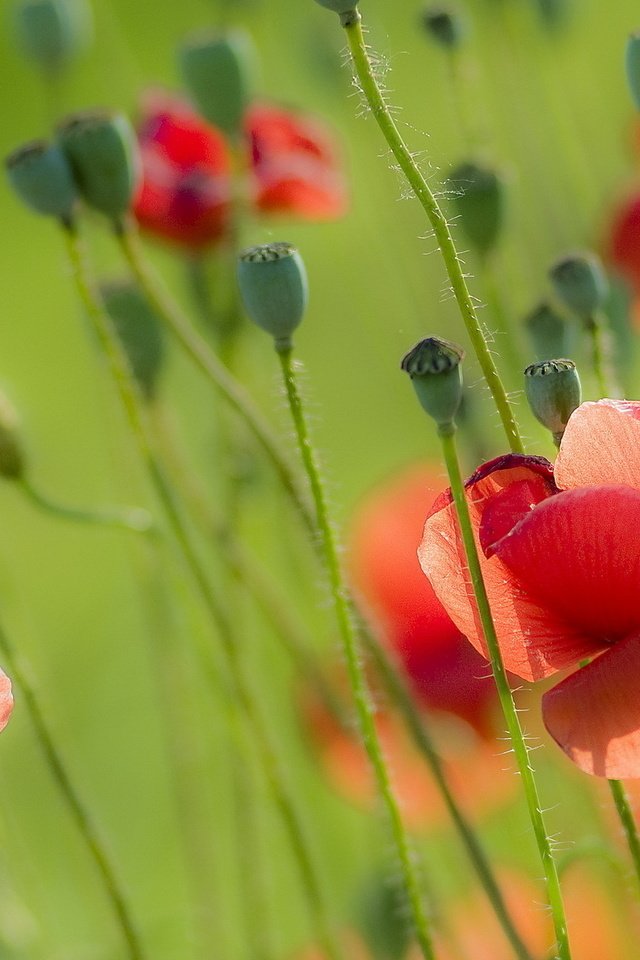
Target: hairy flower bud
553, 390
580, 283
434, 366
273, 286
479, 201
444, 25
548, 331
52, 32
139, 330
218, 71
103, 152
41, 176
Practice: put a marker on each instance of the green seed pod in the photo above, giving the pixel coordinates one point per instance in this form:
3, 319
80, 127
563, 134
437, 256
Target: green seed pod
553, 391
273, 286
103, 152
218, 71
632, 66
444, 25
12, 458
580, 283
343, 7
139, 330
479, 201
435, 369
52, 32
549, 332
552, 13
41, 176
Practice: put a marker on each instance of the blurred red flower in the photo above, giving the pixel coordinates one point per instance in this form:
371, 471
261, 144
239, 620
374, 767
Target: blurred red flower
623, 244
560, 558
187, 191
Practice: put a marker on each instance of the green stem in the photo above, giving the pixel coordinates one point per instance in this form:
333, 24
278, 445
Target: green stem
597, 328
497, 317
364, 709
243, 691
133, 519
401, 696
215, 371
439, 225
447, 436
628, 822
78, 811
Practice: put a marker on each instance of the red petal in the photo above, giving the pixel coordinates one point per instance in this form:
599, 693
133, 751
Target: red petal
594, 715
624, 242
601, 445
294, 165
6, 700
535, 642
577, 553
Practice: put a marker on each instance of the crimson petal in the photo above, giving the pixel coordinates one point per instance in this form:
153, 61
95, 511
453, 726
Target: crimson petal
594, 715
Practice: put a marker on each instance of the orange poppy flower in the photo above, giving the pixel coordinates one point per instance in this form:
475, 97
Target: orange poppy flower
561, 561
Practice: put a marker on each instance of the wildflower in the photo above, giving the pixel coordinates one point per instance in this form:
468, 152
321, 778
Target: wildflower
624, 240
6, 700
187, 193
560, 559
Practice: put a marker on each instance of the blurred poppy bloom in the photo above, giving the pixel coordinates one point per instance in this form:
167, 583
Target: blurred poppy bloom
187, 192
560, 559
624, 240
6, 700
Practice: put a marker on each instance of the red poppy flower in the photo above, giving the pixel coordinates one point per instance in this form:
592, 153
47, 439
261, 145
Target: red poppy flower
624, 240
446, 672
186, 192
6, 700
560, 552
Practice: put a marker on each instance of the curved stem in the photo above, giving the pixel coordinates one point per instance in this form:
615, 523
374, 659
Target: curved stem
447, 436
243, 691
204, 358
78, 811
439, 225
401, 697
357, 680
628, 822
133, 519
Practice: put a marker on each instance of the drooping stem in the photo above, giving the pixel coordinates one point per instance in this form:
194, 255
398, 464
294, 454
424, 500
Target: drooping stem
79, 812
396, 687
242, 689
628, 822
364, 709
439, 225
554, 894
212, 368
133, 519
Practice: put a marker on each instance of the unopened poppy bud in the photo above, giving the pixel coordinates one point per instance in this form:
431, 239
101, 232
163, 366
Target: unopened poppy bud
218, 71
553, 390
139, 330
344, 7
273, 286
52, 32
632, 65
580, 283
41, 176
552, 13
434, 366
445, 26
103, 152
12, 458
479, 200
548, 330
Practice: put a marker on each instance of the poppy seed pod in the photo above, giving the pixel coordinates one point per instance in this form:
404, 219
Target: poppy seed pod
218, 72
553, 391
580, 283
632, 66
41, 176
548, 332
103, 152
273, 285
444, 25
479, 201
12, 458
434, 366
52, 32
339, 6
139, 330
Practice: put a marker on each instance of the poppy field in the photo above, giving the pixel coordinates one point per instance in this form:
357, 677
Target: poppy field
320, 480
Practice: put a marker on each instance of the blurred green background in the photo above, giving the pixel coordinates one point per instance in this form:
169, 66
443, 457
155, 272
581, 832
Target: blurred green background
87, 608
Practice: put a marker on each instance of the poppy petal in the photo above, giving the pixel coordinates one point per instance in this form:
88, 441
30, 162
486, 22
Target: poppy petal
601, 445
535, 642
577, 553
594, 715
